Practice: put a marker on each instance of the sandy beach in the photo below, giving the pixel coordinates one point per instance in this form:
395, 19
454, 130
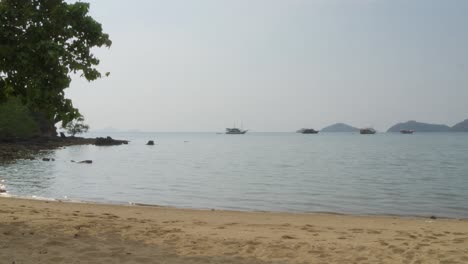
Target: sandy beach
34, 231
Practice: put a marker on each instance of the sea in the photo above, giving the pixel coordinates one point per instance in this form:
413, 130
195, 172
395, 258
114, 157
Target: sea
423, 174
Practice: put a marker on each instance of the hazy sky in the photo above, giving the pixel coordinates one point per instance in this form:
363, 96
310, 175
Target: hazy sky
277, 65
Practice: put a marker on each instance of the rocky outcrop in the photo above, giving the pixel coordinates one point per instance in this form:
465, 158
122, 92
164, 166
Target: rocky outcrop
150, 143
108, 141
12, 149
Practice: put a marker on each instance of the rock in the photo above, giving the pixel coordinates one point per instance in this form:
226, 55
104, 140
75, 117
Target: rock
150, 143
45, 159
2, 191
108, 141
433, 217
83, 161
62, 135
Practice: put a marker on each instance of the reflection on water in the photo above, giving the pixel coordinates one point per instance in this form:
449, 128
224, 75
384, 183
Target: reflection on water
420, 174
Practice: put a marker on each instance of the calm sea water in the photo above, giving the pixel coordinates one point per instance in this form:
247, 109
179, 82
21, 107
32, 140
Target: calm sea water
422, 174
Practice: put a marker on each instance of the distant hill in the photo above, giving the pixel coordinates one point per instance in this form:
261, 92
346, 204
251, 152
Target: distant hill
419, 127
339, 127
460, 127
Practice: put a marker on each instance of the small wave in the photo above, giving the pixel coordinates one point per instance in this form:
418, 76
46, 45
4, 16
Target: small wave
39, 198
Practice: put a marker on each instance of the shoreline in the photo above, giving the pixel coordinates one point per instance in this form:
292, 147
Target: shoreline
130, 204
16, 149
34, 231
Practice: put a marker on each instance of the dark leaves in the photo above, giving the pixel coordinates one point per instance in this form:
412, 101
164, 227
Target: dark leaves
43, 42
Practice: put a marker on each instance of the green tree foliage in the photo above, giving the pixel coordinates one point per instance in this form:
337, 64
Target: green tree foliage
77, 127
16, 120
42, 43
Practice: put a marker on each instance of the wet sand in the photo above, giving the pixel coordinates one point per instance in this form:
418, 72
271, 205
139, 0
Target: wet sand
57, 232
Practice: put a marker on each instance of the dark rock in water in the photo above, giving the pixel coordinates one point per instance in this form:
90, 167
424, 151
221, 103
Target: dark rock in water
433, 217
83, 161
108, 141
2, 191
150, 143
45, 159
62, 135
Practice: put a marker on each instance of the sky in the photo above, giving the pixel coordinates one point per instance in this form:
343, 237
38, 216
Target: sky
277, 65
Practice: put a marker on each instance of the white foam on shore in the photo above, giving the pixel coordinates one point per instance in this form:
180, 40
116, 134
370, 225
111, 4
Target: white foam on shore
3, 190
33, 197
39, 198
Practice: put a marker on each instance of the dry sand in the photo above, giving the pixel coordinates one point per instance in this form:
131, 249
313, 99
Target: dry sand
58, 232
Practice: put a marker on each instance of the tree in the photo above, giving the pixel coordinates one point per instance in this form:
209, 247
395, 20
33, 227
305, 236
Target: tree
77, 127
16, 120
42, 43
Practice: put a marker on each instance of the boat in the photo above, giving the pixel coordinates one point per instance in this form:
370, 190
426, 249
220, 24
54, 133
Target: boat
307, 131
367, 131
235, 131
406, 131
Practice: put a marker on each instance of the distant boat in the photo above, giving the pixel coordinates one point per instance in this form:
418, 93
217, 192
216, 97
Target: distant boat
406, 131
367, 131
307, 131
235, 131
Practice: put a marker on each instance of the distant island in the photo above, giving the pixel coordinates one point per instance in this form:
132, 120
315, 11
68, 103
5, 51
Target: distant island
339, 127
115, 130
460, 127
419, 127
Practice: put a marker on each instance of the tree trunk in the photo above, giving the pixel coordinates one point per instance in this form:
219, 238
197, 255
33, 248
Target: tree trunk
46, 126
